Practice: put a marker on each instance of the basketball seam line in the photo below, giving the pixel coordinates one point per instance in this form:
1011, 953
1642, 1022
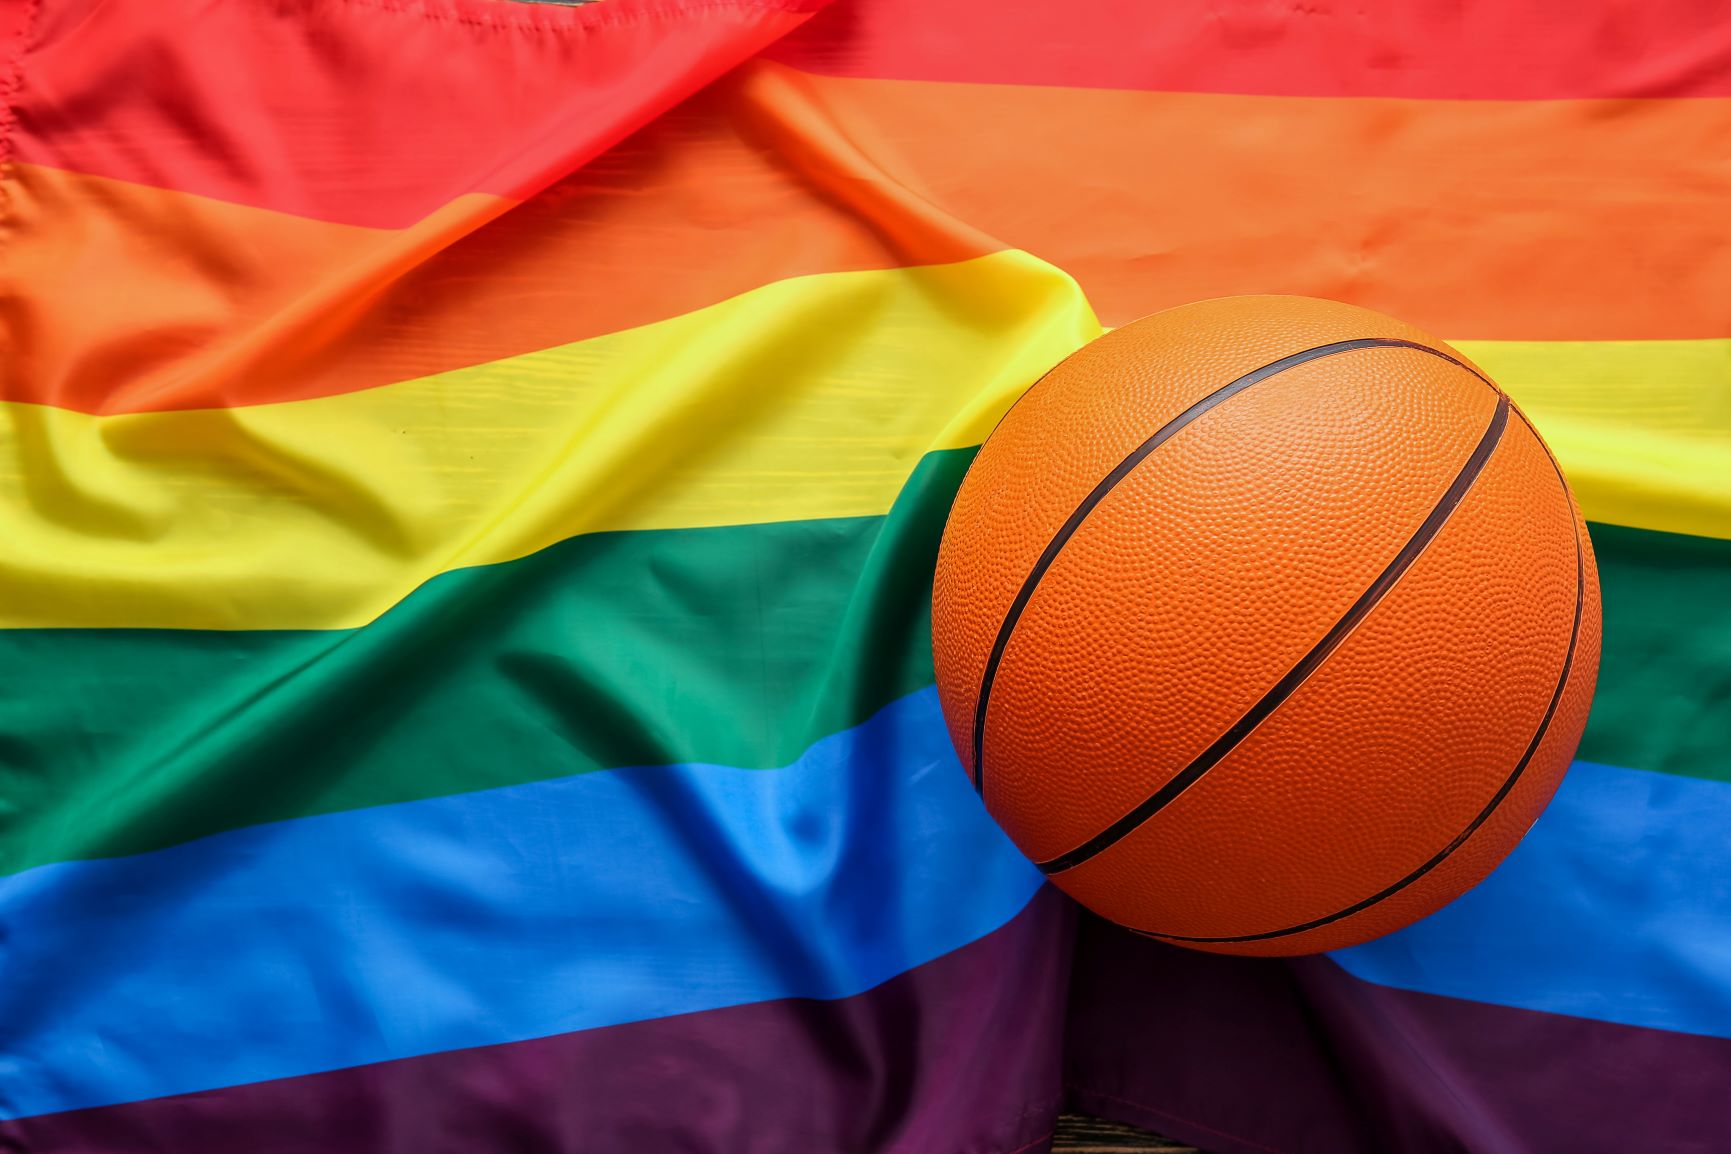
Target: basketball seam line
1496, 799
1288, 684
1110, 481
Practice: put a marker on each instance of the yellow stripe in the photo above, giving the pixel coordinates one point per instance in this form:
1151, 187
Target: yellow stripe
807, 398
1642, 428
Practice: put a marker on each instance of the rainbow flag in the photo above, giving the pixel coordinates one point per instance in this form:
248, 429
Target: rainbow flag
470, 475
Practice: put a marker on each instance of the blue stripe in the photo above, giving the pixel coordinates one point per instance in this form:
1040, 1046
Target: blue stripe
1617, 906
497, 916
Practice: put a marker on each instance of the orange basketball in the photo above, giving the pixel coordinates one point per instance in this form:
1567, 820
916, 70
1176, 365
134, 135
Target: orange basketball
1265, 625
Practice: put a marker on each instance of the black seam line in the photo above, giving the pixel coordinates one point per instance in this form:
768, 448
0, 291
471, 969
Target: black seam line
1308, 664
1496, 799
1107, 483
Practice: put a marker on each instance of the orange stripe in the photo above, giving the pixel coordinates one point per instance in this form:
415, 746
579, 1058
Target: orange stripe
130, 298
1555, 220
1552, 220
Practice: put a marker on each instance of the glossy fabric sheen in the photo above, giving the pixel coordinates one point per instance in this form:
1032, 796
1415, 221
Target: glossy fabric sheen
1485, 220
123, 316
265, 518
334, 894
1516, 50
290, 73
493, 917
1612, 908
733, 1068
320, 514
469, 476
749, 643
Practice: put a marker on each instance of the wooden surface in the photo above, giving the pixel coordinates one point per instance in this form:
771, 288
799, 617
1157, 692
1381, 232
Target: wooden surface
1080, 1134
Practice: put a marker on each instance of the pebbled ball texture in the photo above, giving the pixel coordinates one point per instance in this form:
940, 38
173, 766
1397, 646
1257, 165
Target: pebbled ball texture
1359, 797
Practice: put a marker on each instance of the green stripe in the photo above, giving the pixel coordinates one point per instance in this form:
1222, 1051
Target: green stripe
1664, 698
738, 645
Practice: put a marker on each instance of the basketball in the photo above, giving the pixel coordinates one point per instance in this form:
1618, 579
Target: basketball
1265, 625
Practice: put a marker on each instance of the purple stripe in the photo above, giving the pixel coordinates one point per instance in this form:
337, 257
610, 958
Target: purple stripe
1253, 1056
899, 1068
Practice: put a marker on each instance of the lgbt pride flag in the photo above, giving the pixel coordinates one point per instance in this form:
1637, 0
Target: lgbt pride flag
470, 475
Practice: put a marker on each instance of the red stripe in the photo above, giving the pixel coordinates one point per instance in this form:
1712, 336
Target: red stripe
1508, 50
365, 112
135, 298
895, 1070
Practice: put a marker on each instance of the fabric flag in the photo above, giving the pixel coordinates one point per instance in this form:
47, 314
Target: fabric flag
470, 475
